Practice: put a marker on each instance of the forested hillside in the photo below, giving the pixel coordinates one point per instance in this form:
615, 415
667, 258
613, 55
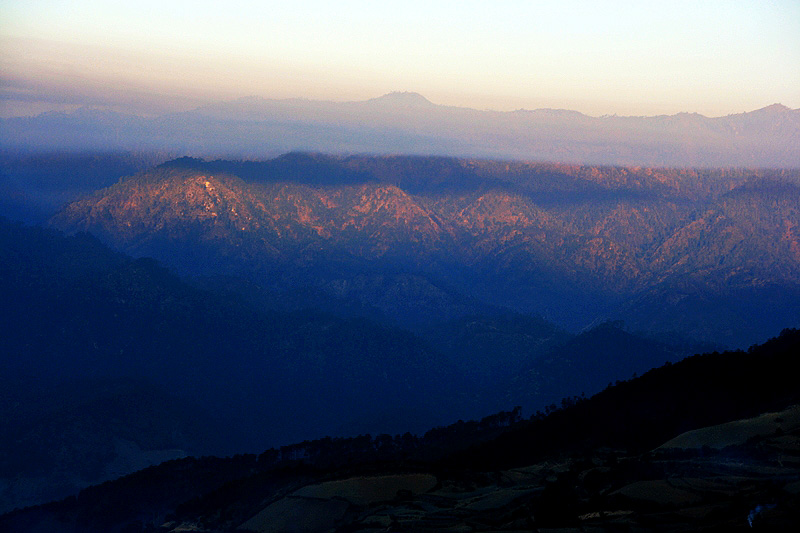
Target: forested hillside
575, 244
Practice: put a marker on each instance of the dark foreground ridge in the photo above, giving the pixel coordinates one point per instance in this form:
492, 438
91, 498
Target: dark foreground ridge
633, 457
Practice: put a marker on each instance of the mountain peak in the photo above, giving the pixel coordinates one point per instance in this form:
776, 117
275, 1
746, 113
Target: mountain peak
403, 98
774, 108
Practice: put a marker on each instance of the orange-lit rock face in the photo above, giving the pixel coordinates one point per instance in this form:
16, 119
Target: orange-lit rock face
623, 228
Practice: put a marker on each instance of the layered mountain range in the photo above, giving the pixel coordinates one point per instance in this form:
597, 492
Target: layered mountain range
572, 243
409, 123
313, 294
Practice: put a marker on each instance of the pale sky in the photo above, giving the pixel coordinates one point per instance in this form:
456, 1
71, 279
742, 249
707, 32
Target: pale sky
602, 57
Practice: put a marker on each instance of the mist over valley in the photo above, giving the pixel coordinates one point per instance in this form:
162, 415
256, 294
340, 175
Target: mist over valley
361, 267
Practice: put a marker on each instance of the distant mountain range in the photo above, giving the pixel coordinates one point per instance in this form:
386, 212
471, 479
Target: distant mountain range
712, 254
410, 124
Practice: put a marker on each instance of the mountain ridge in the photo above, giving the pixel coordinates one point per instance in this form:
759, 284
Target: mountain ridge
405, 122
406, 98
596, 236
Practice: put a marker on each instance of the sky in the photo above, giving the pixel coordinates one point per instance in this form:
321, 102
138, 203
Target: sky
598, 57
